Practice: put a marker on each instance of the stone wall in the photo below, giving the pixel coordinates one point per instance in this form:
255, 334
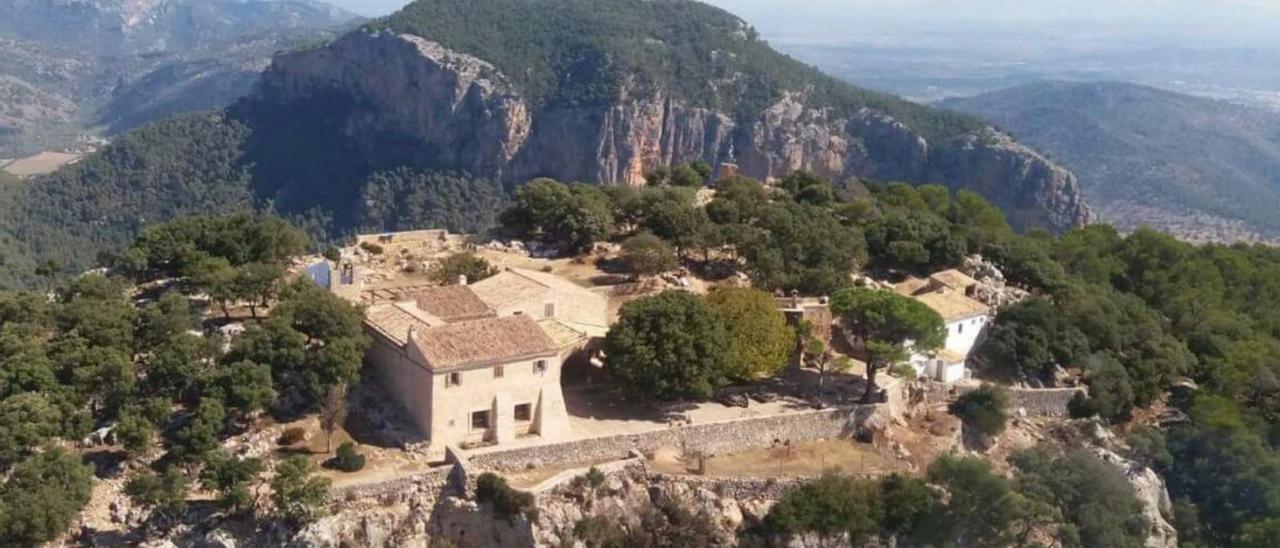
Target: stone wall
1042, 402
712, 438
435, 479
733, 488
1035, 402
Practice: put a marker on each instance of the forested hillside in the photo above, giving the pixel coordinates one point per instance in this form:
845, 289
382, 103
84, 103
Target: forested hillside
73, 68
1147, 320
1196, 167
1138, 316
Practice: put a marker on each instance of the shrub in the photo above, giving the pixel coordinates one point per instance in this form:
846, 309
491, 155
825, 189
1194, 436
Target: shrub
347, 459
903, 371
506, 502
292, 436
984, 409
454, 267
371, 248
647, 255
594, 480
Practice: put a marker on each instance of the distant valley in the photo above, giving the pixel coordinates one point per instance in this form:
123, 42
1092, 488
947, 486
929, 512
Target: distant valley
77, 69
1202, 169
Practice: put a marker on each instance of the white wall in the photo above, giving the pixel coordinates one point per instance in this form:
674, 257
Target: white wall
963, 334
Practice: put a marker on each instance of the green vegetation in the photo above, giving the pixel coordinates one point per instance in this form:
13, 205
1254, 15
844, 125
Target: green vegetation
883, 322
647, 255
99, 352
347, 459
187, 165
964, 502
458, 266
506, 502
985, 410
406, 199
570, 217
297, 494
230, 477
578, 52
760, 341
163, 494
667, 347
41, 497
1091, 501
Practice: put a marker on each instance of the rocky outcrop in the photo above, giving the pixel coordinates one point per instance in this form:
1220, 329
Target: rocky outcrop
409, 101
1150, 489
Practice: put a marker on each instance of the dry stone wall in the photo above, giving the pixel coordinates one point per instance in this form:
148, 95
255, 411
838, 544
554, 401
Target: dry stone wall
1042, 402
711, 438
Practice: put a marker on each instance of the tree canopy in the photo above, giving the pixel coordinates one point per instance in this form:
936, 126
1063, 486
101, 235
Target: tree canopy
669, 346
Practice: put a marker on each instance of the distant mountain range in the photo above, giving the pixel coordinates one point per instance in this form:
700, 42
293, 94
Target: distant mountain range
386, 125
1198, 168
71, 67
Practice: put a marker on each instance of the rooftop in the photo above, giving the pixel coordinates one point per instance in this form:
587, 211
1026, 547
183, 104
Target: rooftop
954, 279
952, 305
454, 303
484, 341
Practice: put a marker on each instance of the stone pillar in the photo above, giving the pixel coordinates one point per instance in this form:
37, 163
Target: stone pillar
551, 420
503, 429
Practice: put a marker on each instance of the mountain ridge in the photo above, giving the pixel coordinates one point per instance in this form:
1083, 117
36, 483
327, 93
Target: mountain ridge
620, 105
326, 123
1199, 168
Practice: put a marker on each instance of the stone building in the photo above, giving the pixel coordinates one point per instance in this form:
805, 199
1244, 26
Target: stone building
478, 364
950, 294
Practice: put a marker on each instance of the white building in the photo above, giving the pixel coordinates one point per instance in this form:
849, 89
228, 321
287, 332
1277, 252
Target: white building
949, 294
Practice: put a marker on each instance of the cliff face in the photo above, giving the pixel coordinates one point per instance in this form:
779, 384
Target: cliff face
411, 101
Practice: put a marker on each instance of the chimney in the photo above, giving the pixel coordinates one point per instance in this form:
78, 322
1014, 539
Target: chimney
462, 280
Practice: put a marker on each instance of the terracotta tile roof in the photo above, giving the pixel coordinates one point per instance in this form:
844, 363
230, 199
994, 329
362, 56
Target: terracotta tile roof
562, 334
525, 290
954, 279
492, 340
455, 303
508, 287
393, 321
952, 305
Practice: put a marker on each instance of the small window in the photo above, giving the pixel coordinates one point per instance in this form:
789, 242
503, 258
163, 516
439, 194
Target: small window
959, 329
539, 367
480, 420
498, 371
453, 379
549, 310
524, 412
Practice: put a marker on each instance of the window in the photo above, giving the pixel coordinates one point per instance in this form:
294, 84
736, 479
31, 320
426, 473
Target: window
498, 371
549, 310
480, 420
959, 329
453, 379
524, 412
539, 367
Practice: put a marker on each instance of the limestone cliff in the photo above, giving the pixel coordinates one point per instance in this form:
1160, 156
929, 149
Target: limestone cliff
409, 100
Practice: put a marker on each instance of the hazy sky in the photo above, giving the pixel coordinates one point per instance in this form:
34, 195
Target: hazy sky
831, 19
